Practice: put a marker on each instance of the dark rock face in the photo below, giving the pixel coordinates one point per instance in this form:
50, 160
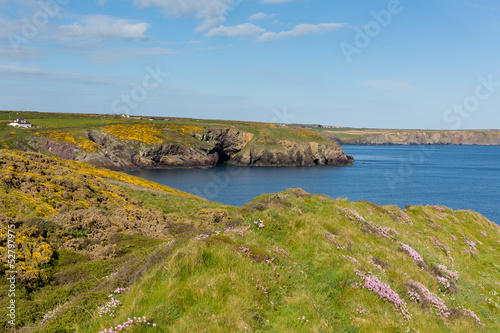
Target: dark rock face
227, 142
293, 153
215, 147
61, 149
175, 156
115, 154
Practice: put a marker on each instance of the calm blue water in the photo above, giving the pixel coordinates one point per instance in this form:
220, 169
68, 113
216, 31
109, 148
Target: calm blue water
460, 177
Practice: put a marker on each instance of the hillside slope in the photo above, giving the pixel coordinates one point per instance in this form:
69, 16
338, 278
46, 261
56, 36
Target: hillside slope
289, 261
79, 230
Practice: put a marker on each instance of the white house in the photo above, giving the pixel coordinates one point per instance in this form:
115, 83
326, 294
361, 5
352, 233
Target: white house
20, 123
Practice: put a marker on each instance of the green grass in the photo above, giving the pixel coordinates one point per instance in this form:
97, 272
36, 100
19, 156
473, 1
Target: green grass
211, 285
191, 270
78, 284
72, 122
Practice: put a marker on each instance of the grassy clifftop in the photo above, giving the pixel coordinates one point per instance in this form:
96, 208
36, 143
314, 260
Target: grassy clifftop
127, 143
285, 262
368, 136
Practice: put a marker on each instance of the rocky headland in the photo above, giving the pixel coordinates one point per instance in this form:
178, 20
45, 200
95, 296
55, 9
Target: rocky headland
480, 138
143, 145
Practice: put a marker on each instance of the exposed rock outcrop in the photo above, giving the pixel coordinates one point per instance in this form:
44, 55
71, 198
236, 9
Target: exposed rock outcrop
214, 146
293, 153
484, 138
175, 156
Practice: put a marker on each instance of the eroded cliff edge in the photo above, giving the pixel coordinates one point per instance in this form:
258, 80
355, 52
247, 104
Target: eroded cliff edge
479, 138
143, 145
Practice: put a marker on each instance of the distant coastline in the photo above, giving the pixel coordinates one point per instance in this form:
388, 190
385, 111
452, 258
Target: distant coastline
413, 137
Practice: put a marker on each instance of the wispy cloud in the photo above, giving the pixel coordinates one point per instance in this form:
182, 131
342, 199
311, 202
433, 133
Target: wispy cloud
246, 31
260, 16
212, 13
26, 74
24, 53
389, 85
300, 30
103, 28
277, 1
107, 55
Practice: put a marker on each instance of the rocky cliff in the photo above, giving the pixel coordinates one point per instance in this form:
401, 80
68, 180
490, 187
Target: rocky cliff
484, 138
293, 153
188, 148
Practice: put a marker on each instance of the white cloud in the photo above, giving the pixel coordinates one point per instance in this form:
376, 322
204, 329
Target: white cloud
390, 85
103, 28
106, 55
300, 30
246, 30
260, 16
212, 12
25, 74
276, 1
24, 53
20, 69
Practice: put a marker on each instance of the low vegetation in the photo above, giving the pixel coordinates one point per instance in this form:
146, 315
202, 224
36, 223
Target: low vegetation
101, 251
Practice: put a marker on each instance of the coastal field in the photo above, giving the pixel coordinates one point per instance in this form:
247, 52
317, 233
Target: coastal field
100, 250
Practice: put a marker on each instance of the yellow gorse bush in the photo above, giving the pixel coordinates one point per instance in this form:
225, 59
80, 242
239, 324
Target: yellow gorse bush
16, 203
31, 254
150, 134
105, 173
306, 133
61, 136
183, 129
264, 139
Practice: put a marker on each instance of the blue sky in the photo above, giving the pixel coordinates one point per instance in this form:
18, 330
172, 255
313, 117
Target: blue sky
386, 64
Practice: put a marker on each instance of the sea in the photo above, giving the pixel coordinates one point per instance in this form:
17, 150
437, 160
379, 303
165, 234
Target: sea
459, 177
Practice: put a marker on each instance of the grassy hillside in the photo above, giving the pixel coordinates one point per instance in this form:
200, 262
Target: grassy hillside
80, 231
99, 249
72, 128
